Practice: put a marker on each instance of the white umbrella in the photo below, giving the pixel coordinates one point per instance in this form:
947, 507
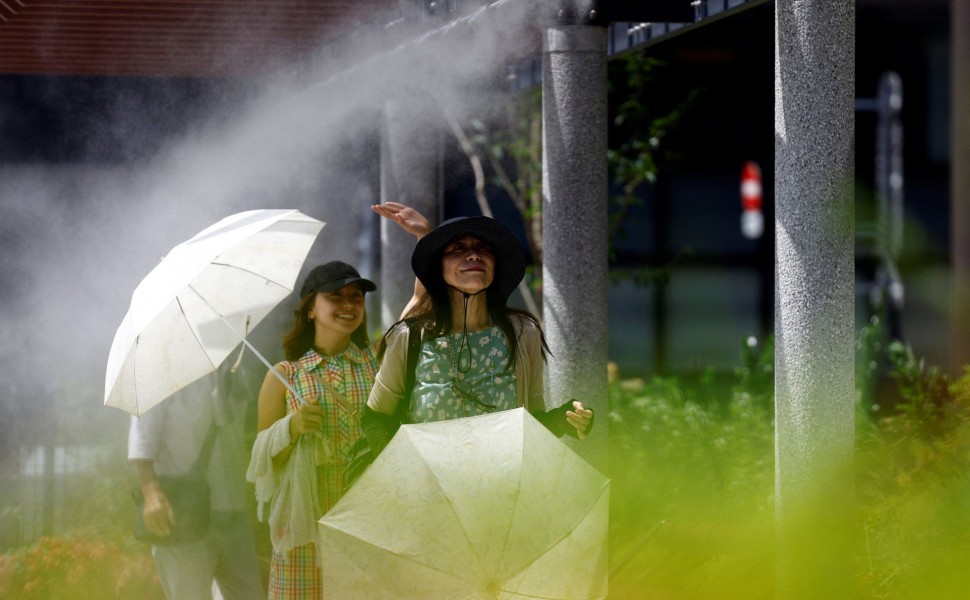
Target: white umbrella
488, 507
191, 310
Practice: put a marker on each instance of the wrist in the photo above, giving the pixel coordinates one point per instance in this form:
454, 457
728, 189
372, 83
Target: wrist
151, 491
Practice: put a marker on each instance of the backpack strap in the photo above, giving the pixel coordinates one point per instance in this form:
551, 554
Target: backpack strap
202, 461
410, 369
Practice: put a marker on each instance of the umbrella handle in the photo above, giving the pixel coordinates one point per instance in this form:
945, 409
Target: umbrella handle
273, 369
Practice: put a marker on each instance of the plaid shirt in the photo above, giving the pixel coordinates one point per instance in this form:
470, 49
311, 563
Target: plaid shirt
352, 374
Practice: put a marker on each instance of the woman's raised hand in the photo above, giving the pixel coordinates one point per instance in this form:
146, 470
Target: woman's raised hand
414, 223
409, 219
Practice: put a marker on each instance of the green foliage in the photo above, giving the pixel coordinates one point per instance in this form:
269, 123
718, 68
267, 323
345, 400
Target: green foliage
692, 480
512, 147
699, 448
83, 566
927, 404
637, 131
96, 557
650, 276
692, 491
756, 375
517, 143
692, 464
914, 480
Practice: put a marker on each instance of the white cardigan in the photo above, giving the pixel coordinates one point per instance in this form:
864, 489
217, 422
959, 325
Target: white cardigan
294, 505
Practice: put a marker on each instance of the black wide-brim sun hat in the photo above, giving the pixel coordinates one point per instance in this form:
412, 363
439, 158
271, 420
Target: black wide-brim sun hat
509, 257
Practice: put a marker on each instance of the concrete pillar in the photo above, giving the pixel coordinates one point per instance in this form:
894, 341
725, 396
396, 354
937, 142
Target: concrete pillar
960, 184
346, 189
814, 332
410, 174
574, 222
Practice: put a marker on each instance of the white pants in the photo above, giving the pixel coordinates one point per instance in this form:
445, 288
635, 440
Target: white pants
226, 556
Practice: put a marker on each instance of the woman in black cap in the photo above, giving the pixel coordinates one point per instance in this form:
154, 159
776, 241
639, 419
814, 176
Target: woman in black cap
477, 355
305, 438
303, 441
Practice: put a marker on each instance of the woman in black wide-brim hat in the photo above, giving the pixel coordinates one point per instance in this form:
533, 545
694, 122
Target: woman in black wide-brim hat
477, 355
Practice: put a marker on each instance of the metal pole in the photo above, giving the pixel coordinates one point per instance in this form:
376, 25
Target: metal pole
888, 291
960, 185
814, 331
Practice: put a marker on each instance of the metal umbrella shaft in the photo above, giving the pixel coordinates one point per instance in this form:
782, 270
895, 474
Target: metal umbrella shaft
242, 337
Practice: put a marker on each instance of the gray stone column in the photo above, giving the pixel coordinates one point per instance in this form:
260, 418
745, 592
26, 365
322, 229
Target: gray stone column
410, 174
960, 184
574, 222
814, 332
342, 199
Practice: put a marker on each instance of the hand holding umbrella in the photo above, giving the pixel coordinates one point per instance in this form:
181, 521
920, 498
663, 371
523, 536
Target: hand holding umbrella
308, 419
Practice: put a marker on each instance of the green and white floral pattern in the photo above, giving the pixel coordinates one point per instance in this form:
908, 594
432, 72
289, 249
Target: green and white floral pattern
442, 391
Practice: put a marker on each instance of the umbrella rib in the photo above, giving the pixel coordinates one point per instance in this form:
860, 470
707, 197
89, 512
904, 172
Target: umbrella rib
192, 331
451, 504
508, 535
592, 505
254, 273
242, 337
405, 558
134, 375
526, 595
518, 496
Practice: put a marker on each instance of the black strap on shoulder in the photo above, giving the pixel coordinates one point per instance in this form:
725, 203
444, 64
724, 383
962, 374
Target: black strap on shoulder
410, 368
202, 461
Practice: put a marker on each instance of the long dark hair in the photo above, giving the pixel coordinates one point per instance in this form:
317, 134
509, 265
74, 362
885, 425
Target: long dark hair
432, 317
299, 339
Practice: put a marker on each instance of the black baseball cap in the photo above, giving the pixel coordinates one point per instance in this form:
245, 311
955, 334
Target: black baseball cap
331, 276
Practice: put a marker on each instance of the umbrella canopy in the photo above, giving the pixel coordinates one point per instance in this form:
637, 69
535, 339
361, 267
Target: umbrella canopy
191, 310
488, 507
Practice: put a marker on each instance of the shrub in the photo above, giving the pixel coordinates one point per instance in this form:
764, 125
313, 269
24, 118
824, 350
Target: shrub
78, 567
914, 484
692, 480
691, 474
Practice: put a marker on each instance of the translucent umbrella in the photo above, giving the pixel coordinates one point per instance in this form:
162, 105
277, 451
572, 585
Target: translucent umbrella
488, 507
198, 303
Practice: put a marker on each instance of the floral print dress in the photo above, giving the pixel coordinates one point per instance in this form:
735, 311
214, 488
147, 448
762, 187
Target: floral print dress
462, 375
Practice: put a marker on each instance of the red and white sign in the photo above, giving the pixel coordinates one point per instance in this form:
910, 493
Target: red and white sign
752, 220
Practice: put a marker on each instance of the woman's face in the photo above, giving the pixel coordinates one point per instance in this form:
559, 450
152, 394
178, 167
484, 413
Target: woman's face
468, 264
340, 311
